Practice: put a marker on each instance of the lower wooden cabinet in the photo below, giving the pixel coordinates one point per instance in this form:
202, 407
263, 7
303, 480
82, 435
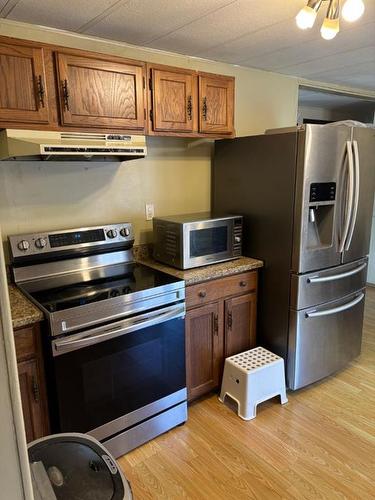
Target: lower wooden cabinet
240, 324
31, 379
216, 329
30, 397
204, 348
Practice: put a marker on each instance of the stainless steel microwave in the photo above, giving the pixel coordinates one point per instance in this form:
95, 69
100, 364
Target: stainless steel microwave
193, 240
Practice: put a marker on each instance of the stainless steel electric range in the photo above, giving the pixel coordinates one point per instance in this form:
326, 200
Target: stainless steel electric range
115, 347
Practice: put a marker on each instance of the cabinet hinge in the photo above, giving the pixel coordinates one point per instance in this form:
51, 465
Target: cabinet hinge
144, 113
151, 115
150, 83
144, 82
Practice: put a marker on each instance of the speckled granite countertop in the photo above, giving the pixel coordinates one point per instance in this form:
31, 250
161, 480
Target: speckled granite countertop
23, 311
205, 273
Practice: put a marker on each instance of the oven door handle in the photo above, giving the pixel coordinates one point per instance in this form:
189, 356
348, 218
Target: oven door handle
102, 334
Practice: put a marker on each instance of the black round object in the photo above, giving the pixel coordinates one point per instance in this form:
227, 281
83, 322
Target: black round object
79, 468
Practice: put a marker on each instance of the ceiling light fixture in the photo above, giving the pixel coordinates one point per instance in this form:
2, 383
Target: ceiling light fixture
351, 11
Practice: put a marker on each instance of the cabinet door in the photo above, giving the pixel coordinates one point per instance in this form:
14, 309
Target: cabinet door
204, 348
100, 93
30, 397
216, 94
23, 94
174, 101
240, 324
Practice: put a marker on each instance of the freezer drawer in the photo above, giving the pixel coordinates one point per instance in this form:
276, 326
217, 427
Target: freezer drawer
319, 287
324, 339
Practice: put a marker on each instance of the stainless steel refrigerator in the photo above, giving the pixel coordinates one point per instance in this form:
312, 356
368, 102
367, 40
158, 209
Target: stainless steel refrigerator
307, 198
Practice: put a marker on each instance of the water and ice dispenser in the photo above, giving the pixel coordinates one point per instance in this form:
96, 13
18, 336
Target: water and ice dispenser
321, 215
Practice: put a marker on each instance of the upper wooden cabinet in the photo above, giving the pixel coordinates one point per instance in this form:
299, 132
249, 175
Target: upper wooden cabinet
216, 95
23, 91
100, 93
49, 87
174, 100
187, 103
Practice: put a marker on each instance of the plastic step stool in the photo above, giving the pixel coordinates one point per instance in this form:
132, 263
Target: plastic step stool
252, 377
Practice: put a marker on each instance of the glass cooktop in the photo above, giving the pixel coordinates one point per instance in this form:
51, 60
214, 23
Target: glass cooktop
114, 281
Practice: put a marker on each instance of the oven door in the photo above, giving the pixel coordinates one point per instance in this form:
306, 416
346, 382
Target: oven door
110, 377
207, 242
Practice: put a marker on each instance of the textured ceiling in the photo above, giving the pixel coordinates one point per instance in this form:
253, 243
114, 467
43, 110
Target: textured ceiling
255, 33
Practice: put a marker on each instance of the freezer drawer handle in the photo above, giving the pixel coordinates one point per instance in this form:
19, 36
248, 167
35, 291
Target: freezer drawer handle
323, 279
336, 310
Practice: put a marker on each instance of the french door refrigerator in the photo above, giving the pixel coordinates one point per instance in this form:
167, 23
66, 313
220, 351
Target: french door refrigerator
307, 197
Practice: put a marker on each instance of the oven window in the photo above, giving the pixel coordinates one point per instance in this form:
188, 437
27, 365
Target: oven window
102, 382
208, 241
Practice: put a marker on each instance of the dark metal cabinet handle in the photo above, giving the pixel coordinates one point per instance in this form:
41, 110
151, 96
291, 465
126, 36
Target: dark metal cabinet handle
204, 108
216, 324
35, 389
41, 91
230, 320
189, 108
65, 94
202, 294
242, 283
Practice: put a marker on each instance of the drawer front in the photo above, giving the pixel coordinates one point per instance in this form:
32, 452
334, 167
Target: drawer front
25, 343
310, 289
210, 291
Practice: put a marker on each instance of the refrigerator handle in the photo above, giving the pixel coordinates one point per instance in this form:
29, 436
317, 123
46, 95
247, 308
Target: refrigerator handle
338, 309
349, 206
356, 195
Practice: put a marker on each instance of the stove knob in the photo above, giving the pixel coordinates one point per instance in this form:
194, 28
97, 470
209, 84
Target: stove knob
40, 243
23, 245
112, 233
125, 231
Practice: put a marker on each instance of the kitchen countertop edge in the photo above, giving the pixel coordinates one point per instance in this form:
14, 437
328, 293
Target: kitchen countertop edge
23, 311
206, 273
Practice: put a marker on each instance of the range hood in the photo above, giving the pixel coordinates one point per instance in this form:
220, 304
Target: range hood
47, 145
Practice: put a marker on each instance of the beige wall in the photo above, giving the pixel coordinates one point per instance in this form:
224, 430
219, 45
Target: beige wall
176, 174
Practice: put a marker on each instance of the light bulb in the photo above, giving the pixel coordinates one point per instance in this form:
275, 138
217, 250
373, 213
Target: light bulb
306, 18
330, 28
353, 10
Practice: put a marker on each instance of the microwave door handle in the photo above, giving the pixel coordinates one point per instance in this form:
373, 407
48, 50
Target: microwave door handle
338, 309
349, 206
356, 195
85, 339
323, 279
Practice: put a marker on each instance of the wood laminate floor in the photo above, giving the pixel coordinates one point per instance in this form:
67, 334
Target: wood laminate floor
321, 445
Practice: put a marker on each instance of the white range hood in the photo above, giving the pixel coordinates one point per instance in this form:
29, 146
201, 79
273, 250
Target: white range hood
48, 145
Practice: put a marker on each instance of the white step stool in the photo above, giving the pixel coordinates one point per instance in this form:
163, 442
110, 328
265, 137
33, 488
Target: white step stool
252, 377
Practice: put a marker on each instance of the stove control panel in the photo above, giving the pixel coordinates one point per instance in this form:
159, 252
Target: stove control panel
72, 239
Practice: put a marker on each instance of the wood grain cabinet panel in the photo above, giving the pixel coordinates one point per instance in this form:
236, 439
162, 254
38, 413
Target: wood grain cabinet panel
32, 383
23, 90
220, 322
31, 399
100, 93
174, 100
204, 344
240, 324
216, 95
